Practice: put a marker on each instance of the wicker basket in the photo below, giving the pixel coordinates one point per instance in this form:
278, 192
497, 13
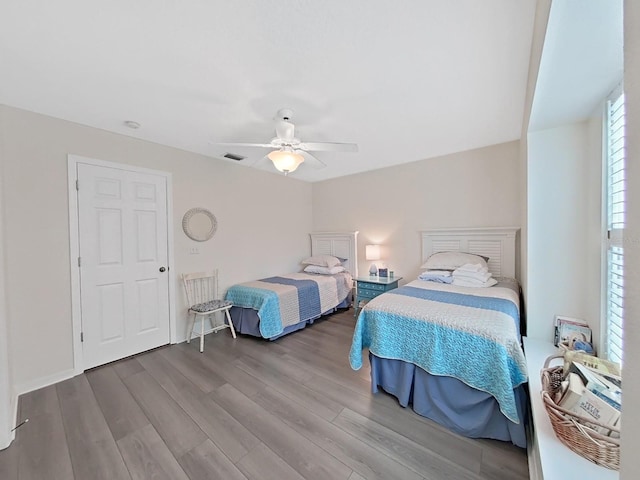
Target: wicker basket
572, 429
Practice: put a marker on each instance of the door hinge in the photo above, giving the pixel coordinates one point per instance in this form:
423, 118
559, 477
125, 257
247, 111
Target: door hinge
608, 234
79, 262
82, 336
77, 185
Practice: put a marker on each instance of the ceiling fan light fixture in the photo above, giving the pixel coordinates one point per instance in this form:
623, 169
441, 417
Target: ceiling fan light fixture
285, 160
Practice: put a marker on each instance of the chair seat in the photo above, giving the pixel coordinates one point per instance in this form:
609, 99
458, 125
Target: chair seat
211, 306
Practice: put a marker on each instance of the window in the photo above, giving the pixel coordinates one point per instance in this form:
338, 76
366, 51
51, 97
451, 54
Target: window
615, 207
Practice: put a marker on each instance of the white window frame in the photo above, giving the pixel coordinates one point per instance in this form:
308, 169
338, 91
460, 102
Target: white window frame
610, 347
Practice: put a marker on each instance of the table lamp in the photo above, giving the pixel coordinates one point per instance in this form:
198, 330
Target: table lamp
372, 252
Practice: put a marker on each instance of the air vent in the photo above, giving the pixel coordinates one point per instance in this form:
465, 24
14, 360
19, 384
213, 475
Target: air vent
233, 156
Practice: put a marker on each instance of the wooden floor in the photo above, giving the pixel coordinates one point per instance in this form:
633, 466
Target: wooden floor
244, 409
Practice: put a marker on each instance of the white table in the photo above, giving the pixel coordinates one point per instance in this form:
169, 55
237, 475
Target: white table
550, 459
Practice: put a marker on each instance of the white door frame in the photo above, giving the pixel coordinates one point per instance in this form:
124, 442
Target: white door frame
74, 248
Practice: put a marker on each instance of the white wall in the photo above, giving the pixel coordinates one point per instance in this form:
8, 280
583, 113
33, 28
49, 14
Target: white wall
263, 224
6, 395
595, 224
543, 7
630, 460
476, 188
563, 196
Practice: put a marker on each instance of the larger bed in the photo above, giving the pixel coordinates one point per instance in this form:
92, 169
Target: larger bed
453, 352
275, 306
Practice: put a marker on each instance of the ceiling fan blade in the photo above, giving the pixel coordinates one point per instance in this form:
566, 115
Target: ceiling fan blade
285, 130
311, 161
256, 145
328, 147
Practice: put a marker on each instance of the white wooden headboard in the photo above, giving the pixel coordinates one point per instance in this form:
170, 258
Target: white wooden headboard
499, 244
338, 244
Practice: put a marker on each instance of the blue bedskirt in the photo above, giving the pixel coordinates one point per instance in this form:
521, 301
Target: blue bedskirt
246, 320
449, 402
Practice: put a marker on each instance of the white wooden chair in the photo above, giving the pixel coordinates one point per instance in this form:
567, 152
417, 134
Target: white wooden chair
202, 295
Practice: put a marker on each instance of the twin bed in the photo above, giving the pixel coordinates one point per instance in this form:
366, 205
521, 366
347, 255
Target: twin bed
275, 306
453, 353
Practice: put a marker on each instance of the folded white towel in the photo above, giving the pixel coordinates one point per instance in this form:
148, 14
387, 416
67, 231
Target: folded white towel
472, 267
479, 276
462, 282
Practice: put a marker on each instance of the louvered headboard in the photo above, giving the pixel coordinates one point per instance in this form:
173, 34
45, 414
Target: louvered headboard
338, 244
499, 244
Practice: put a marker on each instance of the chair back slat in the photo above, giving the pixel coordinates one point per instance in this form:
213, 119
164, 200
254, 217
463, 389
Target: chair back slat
201, 287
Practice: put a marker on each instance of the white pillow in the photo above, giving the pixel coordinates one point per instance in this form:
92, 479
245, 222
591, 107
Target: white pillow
324, 270
322, 261
464, 282
452, 260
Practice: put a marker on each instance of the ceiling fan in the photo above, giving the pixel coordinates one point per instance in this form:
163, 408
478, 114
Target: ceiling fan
288, 151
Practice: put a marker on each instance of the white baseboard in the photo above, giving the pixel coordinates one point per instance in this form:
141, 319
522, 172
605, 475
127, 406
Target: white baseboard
7, 437
26, 388
42, 382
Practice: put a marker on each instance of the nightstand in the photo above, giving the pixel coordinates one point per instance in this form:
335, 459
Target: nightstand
371, 287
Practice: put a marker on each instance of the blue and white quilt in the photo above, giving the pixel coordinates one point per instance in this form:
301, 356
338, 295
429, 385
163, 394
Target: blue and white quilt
471, 334
290, 299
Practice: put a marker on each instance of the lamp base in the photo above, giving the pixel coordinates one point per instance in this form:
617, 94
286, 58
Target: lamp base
373, 270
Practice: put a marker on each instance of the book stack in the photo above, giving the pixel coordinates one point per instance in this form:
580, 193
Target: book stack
609, 370
593, 391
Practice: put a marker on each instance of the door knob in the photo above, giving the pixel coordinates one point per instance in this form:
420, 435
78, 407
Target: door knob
162, 269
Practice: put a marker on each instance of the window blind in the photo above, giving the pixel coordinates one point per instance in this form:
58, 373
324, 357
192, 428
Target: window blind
615, 303
615, 178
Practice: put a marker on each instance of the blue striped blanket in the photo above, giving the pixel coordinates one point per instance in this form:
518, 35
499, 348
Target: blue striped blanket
471, 334
290, 299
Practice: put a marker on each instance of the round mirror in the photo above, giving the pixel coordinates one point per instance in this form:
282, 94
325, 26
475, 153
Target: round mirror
199, 224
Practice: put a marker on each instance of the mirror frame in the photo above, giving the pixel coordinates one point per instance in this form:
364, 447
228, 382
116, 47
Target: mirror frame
197, 236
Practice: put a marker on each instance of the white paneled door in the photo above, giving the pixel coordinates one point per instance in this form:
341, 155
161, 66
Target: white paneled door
124, 280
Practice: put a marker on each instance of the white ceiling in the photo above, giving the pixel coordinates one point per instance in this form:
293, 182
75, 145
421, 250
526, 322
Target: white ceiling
582, 61
404, 80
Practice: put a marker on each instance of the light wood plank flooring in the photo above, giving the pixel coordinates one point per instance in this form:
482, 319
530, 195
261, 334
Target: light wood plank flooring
244, 409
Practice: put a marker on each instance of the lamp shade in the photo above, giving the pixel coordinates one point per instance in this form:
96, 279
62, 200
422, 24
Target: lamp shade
285, 161
372, 252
